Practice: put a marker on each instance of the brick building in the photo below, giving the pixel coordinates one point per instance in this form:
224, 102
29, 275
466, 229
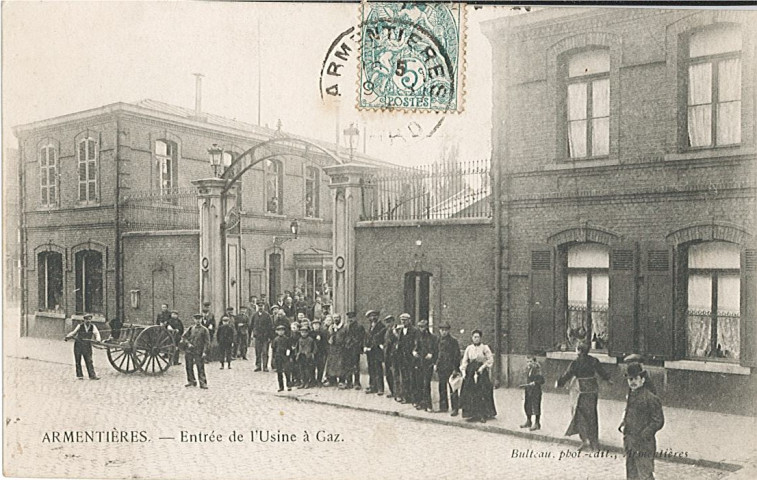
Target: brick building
624, 157
110, 218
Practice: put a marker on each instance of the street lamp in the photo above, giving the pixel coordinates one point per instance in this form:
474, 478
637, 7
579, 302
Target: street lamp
294, 227
216, 153
352, 133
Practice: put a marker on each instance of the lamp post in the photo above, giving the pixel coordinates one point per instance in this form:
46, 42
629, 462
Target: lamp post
294, 227
352, 133
216, 153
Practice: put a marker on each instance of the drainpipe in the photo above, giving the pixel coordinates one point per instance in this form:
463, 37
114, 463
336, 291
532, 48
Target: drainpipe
23, 330
117, 212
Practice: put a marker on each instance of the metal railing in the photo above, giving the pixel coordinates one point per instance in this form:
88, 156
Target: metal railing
437, 191
174, 209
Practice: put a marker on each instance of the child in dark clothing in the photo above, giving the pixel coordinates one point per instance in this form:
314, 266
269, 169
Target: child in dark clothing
532, 404
281, 357
305, 357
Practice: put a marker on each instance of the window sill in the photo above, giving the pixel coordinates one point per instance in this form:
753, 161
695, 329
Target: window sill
569, 163
602, 357
275, 215
46, 314
704, 366
708, 153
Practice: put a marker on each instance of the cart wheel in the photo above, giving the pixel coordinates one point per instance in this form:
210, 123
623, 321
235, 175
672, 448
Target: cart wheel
123, 359
154, 348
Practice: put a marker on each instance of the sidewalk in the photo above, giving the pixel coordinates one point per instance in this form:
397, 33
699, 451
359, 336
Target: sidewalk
696, 437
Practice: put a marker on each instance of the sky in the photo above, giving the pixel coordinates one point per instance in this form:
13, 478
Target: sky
64, 57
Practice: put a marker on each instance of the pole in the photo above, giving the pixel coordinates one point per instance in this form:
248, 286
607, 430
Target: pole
260, 96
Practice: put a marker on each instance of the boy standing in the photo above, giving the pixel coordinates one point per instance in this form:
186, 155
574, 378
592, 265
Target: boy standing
225, 337
642, 419
281, 349
305, 357
321, 338
532, 393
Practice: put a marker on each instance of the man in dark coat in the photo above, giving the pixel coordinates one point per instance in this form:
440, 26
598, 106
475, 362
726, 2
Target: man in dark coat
176, 329
225, 338
321, 338
335, 368
374, 351
643, 418
263, 331
425, 353
353, 349
243, 333
408, 335
163, 315
447, 363
208, 319
197, 341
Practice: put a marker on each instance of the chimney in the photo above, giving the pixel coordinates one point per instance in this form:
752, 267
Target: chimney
198, 94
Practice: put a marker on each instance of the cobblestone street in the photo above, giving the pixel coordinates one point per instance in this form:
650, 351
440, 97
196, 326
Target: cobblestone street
46, 399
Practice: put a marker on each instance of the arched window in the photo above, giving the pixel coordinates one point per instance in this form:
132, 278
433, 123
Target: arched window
87, 157
166, 155
274, 186
48, 175
714, 87
713, 301
312, 191
89, 271
49, 280
588, 283
587, 97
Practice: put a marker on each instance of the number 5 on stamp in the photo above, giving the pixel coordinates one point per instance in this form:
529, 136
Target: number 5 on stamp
411, 56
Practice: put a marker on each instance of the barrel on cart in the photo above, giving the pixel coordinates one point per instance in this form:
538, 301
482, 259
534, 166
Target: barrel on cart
147, 348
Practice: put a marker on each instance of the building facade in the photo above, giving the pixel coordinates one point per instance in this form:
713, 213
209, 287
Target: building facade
110, 217
624, 151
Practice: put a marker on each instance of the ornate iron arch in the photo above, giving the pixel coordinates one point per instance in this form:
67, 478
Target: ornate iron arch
275, 147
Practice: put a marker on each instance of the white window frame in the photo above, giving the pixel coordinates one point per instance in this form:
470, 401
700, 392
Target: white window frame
47, 165
90, 165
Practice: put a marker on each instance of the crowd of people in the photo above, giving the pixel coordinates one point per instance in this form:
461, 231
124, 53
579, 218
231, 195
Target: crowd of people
311, 347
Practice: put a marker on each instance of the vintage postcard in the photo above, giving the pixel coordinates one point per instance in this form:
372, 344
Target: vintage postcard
377, 240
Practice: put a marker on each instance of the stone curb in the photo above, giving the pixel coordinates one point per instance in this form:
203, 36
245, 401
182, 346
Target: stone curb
699, 462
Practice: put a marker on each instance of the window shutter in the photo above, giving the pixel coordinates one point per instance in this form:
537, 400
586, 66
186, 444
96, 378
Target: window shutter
749, 307
622, 299
541, 334
656, 303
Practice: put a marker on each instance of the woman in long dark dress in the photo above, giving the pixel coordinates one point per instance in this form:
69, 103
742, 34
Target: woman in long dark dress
477, 392
584, 391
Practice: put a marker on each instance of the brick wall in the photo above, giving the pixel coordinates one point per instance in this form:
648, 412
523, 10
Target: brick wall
460, 258
164, 269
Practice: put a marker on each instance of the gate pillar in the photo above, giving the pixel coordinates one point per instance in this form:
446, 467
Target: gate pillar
212, 208
347, 182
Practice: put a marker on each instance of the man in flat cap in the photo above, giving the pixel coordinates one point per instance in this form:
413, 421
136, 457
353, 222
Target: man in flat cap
447, 363
408, 336
425, 353
374, 352
208, 319
197, 341
243, 333
353, 349
83, 335
263, 333
642, 419
321, 337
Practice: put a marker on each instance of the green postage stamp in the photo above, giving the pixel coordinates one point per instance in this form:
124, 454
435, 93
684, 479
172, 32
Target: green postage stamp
411, 56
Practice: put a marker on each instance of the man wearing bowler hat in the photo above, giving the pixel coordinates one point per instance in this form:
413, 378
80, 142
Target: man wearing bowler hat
263, 332
642, 419
83, 334
408, 335
425, 353
374, 352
